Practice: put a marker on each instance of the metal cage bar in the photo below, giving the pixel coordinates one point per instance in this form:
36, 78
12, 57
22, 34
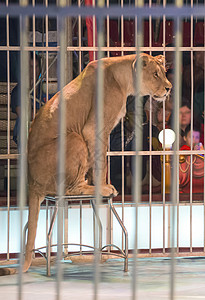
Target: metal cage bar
61, 145
122, 12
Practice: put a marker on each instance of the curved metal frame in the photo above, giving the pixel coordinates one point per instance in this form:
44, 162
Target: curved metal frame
123, 253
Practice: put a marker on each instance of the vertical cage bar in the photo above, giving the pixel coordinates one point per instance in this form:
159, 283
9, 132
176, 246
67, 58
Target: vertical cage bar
61, 144
79, 38
204, 137
138, 147
123, 176
47, 61
24, 103
81, 227
69, 42
108, 157
122, 130
34, 63
150, 27
150, 177
150, 143
164, 113
98, 144
174, 189
94, 32
177, 105
122, 29
192, 99
8, 135
163, 156
177, 98
108, 30
46, 217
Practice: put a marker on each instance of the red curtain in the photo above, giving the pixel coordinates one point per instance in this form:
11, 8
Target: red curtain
89, 24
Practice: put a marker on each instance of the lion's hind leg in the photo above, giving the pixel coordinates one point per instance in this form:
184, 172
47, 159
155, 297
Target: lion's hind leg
77, 166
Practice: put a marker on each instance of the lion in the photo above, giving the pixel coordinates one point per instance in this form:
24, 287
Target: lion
80, 96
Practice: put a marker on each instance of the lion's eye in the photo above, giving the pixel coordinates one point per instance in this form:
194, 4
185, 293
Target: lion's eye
155, 74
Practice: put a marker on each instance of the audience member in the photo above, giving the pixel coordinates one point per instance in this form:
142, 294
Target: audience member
116, 144
198, 86
170, 76
197, 163
184, 119
198, 75
196, 144
169, 56
157, 112
157, 126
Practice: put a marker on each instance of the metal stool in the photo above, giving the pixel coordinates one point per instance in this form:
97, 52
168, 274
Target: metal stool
85, 198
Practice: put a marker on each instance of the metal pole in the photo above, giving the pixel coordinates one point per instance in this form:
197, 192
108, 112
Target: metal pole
99, 145
22, 168
124, 232
8, 136
49, 235
174, 189
69, 41
61, 143
81, 227
138, 146
66, 227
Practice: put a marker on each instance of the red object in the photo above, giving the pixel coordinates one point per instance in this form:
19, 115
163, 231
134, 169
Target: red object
185, 147
89, 24
202, 133
197, 173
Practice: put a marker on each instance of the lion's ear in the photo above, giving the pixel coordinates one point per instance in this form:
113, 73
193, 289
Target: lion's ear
160, 59
143, 60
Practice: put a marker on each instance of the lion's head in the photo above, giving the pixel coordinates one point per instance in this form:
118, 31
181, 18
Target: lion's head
153, 78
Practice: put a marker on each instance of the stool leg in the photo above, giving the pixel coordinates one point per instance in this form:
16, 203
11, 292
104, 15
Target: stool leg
81, 227
24, 237
99, 224
48, 256
48, 246
66, 228
125, 233
109, 221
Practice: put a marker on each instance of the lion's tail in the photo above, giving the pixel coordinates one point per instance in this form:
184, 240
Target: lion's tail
7, 271
34, 207
35, 200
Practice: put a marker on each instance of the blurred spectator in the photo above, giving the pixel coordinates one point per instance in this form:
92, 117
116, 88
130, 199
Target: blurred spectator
116, 144
184, 119
157, 126
197, 163
157, 112
198, 75
196, 144
170, 76
169, 57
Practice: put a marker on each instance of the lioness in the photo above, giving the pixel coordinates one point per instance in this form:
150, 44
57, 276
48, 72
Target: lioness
80, 95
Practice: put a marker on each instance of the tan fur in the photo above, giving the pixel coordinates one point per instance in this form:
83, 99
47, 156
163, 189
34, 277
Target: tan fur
80, 96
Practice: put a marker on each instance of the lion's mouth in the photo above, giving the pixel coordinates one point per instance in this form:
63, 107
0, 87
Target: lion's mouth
157, 98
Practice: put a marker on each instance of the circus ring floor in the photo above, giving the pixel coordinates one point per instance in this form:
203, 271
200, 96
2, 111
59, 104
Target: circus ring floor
153, 281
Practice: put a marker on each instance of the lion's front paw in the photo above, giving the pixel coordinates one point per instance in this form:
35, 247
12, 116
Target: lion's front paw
108, 190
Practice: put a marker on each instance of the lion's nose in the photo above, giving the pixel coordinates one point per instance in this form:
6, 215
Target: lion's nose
167, 89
